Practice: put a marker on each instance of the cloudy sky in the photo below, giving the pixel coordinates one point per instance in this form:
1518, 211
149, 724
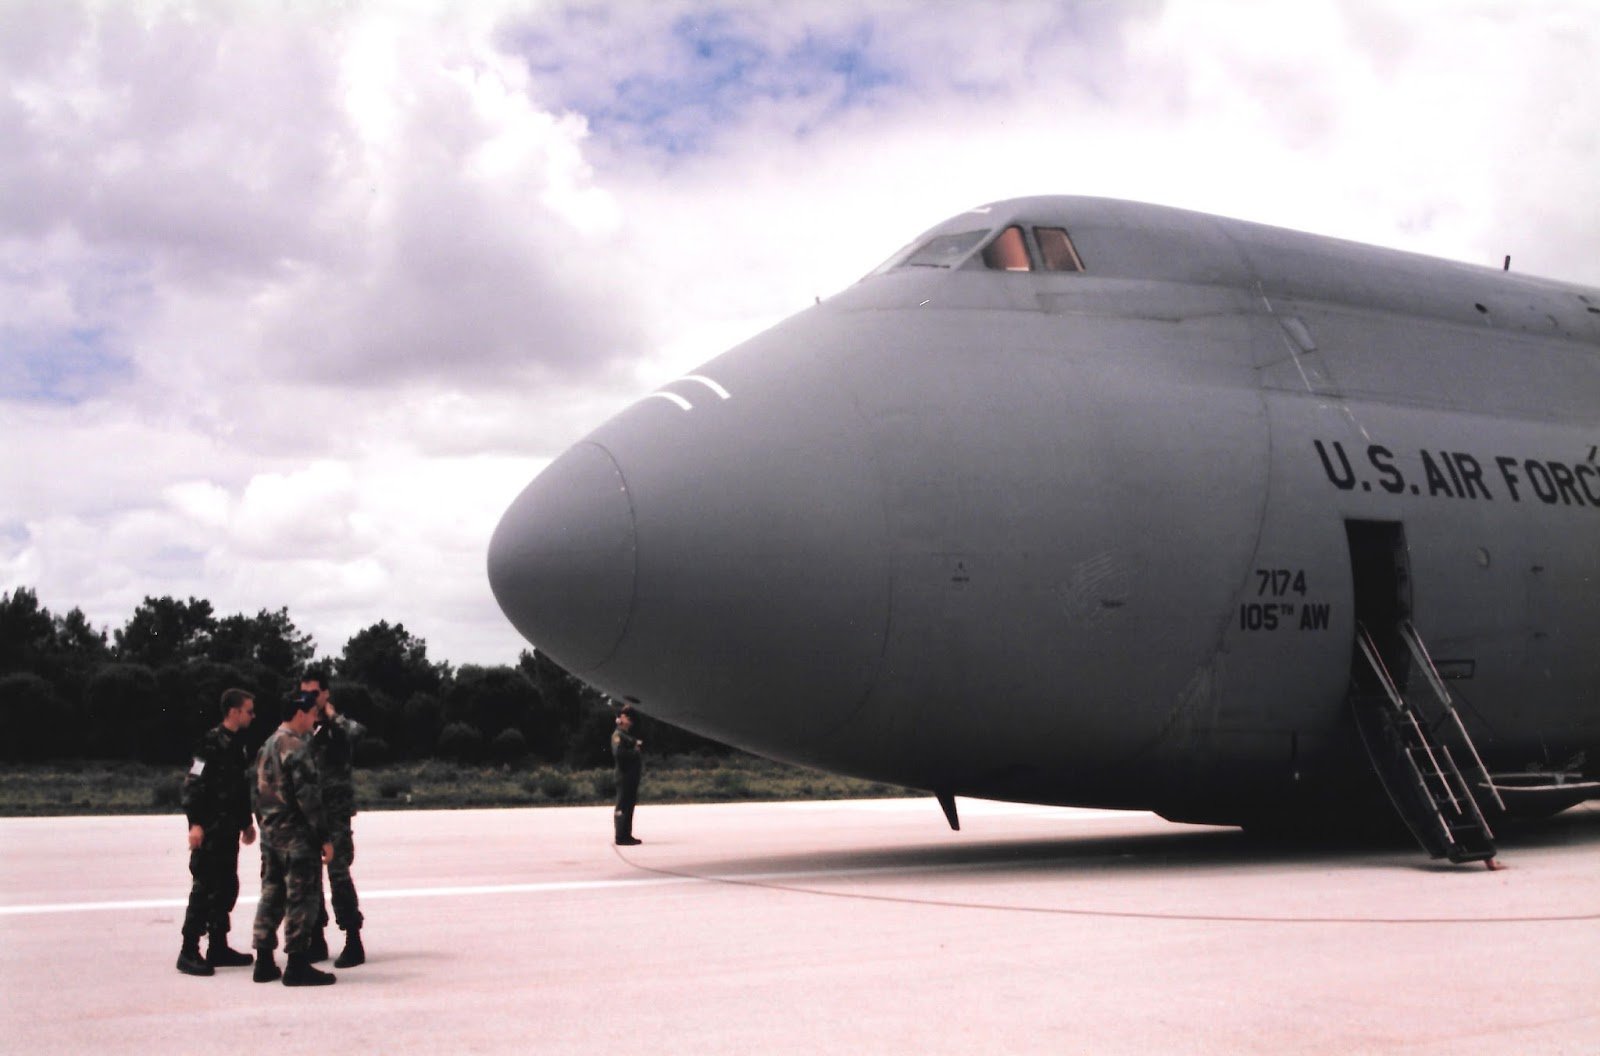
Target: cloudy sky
295, 296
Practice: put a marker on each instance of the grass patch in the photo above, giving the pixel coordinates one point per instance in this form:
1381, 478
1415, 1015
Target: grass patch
97, 787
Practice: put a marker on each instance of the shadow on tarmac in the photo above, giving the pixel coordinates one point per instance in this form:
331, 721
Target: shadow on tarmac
1183, 847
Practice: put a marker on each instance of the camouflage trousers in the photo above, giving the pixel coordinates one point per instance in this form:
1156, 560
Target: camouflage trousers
342, 887
214, 887
291, 892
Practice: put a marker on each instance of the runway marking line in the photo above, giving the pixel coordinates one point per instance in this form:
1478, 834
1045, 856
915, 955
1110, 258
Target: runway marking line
539, 888
983, 809
791, 882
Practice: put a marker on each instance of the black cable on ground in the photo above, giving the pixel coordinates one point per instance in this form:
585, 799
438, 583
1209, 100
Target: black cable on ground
769, 885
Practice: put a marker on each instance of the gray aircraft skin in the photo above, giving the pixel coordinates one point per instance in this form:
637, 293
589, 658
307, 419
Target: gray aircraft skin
1079, 501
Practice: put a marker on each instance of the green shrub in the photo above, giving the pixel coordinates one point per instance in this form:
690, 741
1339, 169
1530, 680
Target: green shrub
166, 792
730, 784
604, 783
555, 785
437, 771
393, 787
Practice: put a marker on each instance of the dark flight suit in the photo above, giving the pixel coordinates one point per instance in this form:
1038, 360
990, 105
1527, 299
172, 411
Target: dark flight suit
288, 802
333, 744
625, 750
216, 797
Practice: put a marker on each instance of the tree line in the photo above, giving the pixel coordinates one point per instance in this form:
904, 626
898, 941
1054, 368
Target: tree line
147, 690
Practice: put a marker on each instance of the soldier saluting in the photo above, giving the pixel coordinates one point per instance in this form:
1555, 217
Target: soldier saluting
625, 750
294, 846
216, 800
333, 743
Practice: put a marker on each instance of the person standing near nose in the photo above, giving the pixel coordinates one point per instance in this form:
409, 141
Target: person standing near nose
626, 751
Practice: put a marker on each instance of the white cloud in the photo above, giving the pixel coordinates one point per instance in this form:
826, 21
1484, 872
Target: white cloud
352, 198
309, 513
341, 545
201, 501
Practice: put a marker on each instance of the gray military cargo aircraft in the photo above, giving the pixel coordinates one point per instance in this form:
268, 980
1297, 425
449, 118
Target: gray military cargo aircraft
1088, 502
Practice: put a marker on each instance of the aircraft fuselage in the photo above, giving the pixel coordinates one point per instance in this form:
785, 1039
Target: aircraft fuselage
1091, 536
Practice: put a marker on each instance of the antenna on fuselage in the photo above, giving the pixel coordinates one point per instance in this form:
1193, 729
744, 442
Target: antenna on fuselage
1507, 265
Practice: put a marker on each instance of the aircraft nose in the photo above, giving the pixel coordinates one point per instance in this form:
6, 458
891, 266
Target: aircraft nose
562, 561
717, 553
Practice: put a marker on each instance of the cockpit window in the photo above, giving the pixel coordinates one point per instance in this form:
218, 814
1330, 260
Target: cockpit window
1008, 252
1057, 250
1048, 249
942, 251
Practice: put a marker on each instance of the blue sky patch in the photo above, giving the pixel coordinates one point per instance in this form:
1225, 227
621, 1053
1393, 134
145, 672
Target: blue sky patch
176, 562
709, 71
63, 367
14, 535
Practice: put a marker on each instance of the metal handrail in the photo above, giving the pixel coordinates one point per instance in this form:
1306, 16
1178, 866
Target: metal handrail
1413, 640
1397, 701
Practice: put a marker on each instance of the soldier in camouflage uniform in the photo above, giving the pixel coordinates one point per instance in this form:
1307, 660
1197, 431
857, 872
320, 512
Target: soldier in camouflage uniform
294, 829
625, 750
216, 800
333, 744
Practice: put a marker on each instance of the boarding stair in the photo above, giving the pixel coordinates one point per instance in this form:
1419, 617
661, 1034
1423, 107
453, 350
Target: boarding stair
1409, 738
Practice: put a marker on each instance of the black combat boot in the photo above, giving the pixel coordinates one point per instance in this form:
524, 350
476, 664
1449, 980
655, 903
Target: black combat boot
266, 966
218, 955
624, 827
301, 972
354, 953
189, 960
319, 948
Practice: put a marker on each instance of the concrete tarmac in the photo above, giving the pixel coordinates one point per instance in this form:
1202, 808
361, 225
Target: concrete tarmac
849, 927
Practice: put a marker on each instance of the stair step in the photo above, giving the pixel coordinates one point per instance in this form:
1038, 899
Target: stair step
1416, 765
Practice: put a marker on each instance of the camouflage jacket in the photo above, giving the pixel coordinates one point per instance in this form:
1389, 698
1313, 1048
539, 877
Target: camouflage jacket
625, 750
288, 794
333, 744
216, 790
